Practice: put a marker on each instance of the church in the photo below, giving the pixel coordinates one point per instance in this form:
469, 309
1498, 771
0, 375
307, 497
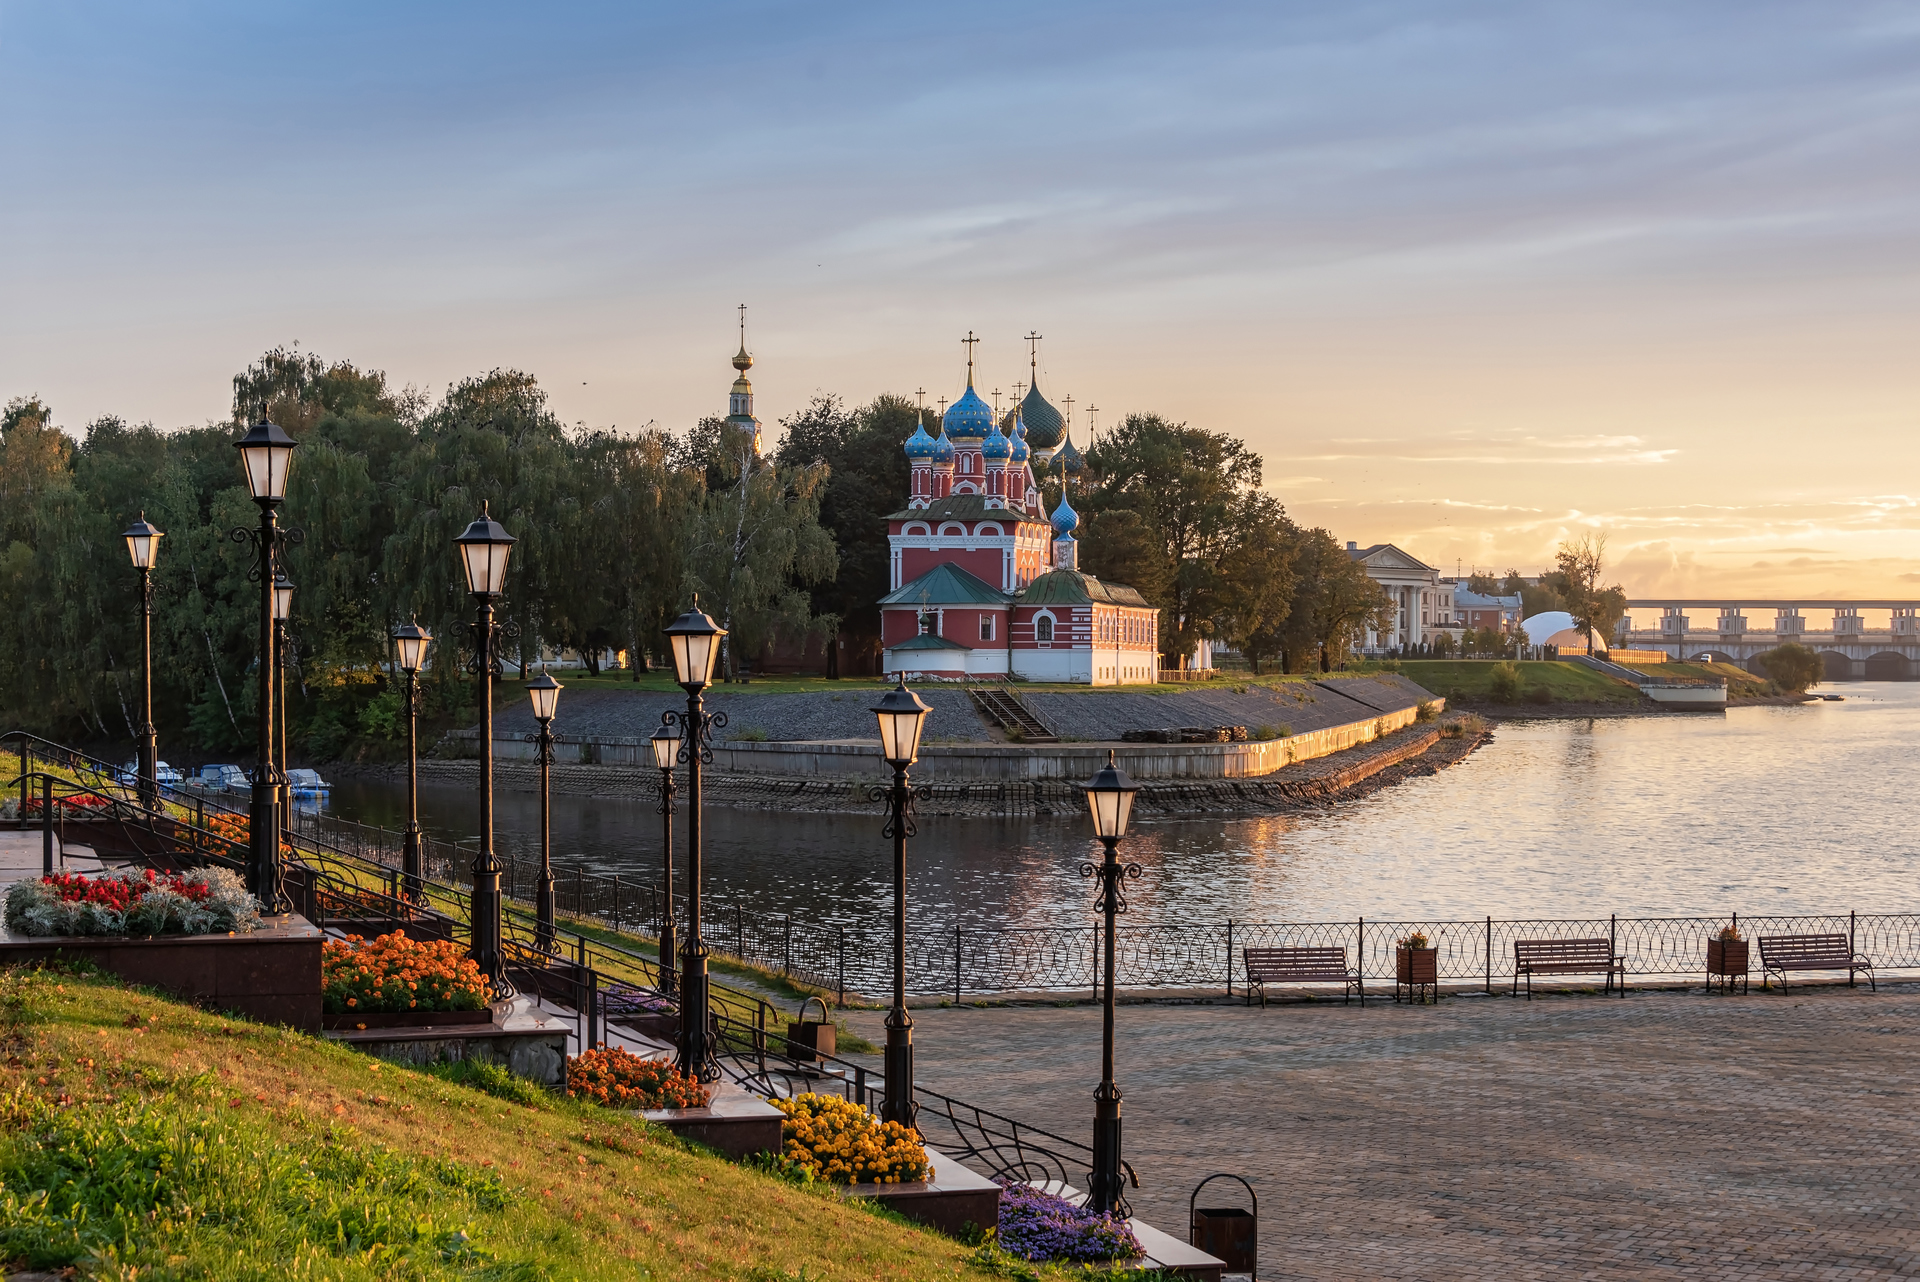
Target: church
986, 585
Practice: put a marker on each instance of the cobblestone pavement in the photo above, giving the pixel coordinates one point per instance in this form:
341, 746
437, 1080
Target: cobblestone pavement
1666, 1135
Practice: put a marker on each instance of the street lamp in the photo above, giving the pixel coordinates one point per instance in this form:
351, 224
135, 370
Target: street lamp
544, 691
1110, 797
266, 453
411, 640
282, 651
695, 641
902, 715
143, 545
666, 745
484, 549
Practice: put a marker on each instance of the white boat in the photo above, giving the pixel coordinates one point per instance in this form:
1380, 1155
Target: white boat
305, 782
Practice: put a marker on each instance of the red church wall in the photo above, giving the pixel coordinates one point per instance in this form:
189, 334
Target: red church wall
982, 563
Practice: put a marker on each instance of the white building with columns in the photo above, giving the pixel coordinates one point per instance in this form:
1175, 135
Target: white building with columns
1423, 603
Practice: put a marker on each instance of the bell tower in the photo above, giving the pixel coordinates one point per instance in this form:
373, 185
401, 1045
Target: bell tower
740, 400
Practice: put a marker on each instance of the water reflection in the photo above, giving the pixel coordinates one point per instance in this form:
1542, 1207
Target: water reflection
1760, 810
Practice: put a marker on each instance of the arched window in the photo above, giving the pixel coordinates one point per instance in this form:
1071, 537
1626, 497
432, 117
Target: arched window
953, 527
916, 527
1043, 628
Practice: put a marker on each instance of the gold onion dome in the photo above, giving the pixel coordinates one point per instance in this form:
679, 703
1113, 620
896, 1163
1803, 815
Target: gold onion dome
742, 361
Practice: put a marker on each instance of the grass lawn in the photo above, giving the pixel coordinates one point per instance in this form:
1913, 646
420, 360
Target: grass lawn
147, 1138
1739, 680
1470, 679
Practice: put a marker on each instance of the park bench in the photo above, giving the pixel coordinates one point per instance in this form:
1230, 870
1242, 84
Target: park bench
1300, 966
1566, 957
1782, 953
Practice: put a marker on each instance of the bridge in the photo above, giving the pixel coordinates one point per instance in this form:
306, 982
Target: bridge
1697, 629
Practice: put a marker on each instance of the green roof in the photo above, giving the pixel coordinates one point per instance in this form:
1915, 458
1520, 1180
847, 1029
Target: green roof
946, 584
1071, 587
964, 507
927, 641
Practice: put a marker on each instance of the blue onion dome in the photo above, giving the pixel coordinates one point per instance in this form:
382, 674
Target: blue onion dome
1044, 424
1019, 428
942, 448
996, 445
1019, 454
1069, 458
1065, 519
968, 418
920, 445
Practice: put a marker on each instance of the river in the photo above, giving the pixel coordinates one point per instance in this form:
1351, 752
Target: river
1759, 810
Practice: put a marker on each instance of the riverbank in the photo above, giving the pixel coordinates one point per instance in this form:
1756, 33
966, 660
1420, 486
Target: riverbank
1316, 784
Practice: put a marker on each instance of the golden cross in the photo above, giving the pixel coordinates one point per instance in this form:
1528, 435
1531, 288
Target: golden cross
743, 327
1033, 349
969, 340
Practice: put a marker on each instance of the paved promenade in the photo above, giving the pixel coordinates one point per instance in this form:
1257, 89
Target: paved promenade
1667, 1135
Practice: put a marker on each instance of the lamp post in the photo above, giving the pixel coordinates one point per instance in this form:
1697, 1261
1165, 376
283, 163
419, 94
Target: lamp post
1110, 798
544, 691
282, 652
266, 453
695, 640
902, 715
411, 640
666, 745
484, 549
143, 545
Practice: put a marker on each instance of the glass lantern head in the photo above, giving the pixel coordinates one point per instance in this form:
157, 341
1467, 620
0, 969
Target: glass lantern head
143, 543
483, 553
1110, 798
902, 715
545, 693
695, 639
411, 640
282, 597
266, 451
666, 746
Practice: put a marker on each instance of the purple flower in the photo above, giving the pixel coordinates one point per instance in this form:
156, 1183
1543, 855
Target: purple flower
1040, 1226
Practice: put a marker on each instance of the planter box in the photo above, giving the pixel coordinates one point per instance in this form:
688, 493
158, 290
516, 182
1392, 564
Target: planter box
271, 974
1727, 959
954, 1198
406, 1019
659, 1026
734, 1122
1416, 968
518, 1039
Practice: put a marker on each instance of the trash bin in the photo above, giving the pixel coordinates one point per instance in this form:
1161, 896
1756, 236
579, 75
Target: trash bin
1229, 1232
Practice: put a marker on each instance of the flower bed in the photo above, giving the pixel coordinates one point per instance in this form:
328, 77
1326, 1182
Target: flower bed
836, 1140
80, 803
132, 904
617, 1078
1040, 1226
394, 973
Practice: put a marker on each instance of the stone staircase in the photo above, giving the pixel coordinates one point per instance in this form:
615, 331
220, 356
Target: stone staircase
1004, 708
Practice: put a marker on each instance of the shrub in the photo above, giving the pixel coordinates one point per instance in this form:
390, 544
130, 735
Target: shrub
617, 1078
842, 1143
1462, 725
1793, 666
1503, 683
1539, 694
1427, 711
142, 903
394, 973
1265, 733
753, 734
1040, 1226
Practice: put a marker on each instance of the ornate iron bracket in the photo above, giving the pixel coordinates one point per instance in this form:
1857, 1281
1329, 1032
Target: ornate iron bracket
292, 536
709, 722
883, 793
1112, 878
479, 649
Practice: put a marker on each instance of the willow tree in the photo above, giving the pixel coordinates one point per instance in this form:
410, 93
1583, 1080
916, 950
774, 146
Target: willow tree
757, 543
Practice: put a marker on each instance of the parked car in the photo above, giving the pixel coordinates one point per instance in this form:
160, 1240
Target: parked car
230, 778
306, 782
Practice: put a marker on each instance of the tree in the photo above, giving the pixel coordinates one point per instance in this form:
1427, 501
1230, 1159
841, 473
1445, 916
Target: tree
1793, 666
867, 479
757, 543
1334, 604
1190, 489
1579, 564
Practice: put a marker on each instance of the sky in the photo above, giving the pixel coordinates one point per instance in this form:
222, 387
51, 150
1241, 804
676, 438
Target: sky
1473, 277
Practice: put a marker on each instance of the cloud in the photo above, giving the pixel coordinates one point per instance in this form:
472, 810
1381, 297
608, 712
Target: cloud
1499, 451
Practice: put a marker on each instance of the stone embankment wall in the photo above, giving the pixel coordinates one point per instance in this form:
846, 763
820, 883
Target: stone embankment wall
1310, 785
